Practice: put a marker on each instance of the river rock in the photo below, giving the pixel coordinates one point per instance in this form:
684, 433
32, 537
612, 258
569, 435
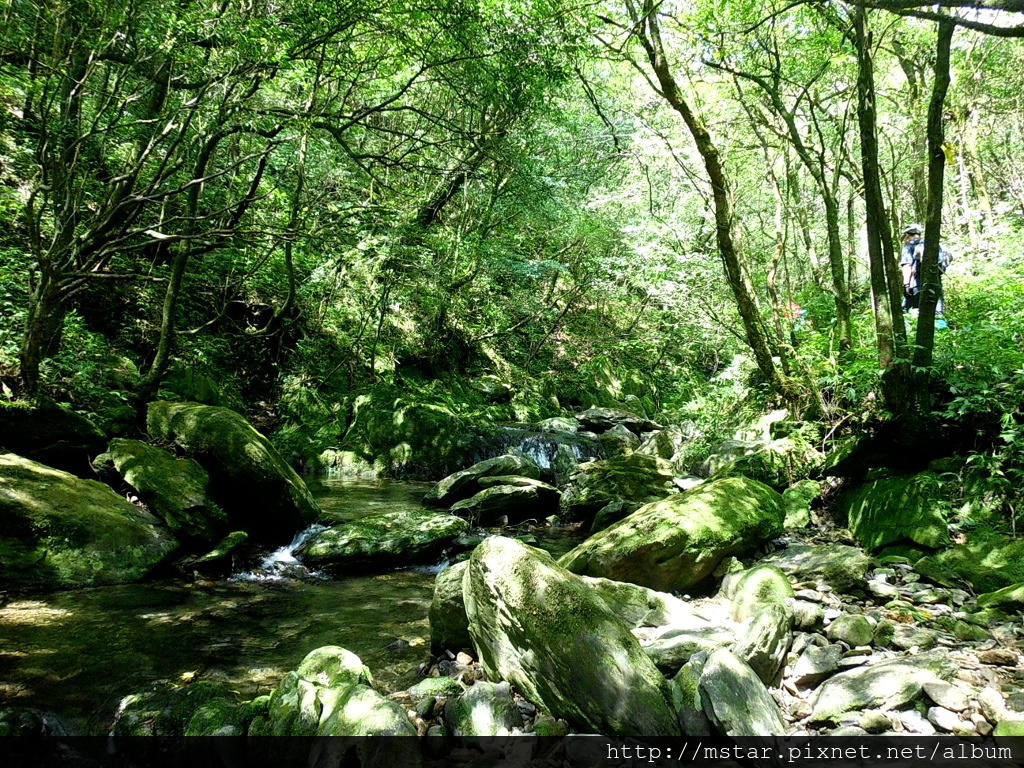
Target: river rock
545, 630
946, 695
815, 664
841, 567
886, 685
175, 490
631, 477
675, 647
485, 709
59, 531
51, 435
618, 440
392, 539
897, 510
852, 629
519, 502
765, 642
797, 500
602, 419
735, 699
168, 710
449, 624
249, 479
612, 513
688, 699
759, 587
462, 485
639, 606
676, 543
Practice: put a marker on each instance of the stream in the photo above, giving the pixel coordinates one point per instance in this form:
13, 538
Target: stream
77, 653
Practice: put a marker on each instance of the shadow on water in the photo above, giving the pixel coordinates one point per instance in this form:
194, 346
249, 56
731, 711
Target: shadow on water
77, 653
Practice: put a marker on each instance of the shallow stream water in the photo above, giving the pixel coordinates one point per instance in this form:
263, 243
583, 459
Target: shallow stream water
76, 653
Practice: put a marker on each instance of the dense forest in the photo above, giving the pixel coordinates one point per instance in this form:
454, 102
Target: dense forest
663, 242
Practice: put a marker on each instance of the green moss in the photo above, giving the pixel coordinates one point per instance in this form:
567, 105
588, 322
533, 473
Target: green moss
988, 561
760, 586
897, 511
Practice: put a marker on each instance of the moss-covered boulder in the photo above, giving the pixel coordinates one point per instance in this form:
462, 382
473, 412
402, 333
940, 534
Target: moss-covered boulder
250, 480
986, 560
461, 485
449, 624
388, 539
887, 685
520, 502
175, 490
777, 463
633, 477
170, 710
545, 630
758, 588
897, 510
676, 543
485, 709
57, 530
839, 566
798, 499
602, 419
51, 435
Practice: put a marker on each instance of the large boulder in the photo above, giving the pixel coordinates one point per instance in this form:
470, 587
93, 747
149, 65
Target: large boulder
462, 485
175, 490
392, 539
897, 510
257, 488
735, 699
51, 435
886, 685
986, 560
602, 419
837, 565
676, 543
522, 501
633, 477
547, 632
57, 530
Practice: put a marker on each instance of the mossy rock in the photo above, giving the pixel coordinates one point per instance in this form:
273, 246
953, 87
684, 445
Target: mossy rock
1007, 597
390, 539
778, 463
837, 565
798, 499
175, 490
467, 482
58, 531
547, 632
449, 624
437, 686
897, 510
633, 477
219, 717
677, 543
333, 666
485, 709
168, 710
520, 502
260, 492
51, 435
988, 561
759, 587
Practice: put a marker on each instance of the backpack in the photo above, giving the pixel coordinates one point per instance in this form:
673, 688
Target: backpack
945, 257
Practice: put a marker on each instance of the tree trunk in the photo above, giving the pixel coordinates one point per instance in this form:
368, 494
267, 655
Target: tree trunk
649, 34
930, 273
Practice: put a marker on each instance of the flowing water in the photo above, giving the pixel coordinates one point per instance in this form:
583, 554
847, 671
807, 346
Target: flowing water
77, 653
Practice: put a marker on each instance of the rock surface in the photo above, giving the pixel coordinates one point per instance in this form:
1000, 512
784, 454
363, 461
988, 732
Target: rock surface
676, 543
545, 631
59, 531
175, 490
403, 537
633, 477
897, 510
519, 502
462, 485
261, 494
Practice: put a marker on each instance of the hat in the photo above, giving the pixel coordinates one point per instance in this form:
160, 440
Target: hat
913, 229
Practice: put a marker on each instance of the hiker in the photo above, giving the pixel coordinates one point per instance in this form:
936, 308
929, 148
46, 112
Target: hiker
910, 264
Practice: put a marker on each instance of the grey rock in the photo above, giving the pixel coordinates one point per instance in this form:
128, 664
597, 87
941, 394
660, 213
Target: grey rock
815, 664
944, 719
766, 641
449, 624
485, 709
841, 567
735, 699
906, 636
946, 695
915, 722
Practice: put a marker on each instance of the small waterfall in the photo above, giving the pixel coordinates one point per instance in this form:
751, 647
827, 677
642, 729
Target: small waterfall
281, 564
542, 447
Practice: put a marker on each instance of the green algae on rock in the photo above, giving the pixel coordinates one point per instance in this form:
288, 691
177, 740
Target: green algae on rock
57, 530
257, 488
676, 543
402, 537
547, 632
